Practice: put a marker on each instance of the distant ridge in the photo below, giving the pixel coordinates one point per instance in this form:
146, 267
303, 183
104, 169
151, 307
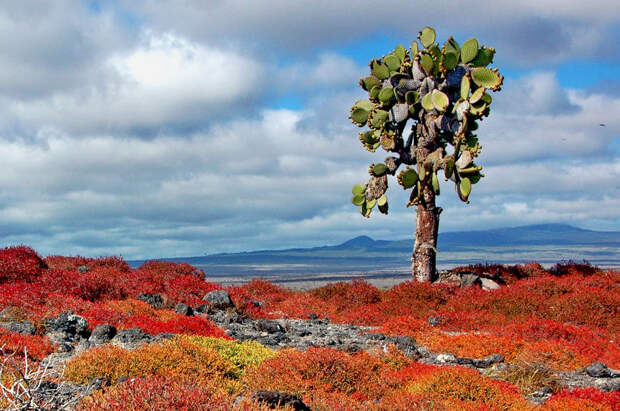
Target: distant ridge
552, 235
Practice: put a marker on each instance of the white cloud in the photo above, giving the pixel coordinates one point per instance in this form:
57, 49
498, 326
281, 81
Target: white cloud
168, 81
534, 118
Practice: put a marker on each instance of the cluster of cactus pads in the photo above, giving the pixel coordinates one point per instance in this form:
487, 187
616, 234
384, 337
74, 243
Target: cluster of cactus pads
445, 89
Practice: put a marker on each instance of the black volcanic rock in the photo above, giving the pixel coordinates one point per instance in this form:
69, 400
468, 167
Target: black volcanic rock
67, 327
154, 300
184, 309
280, 399
25, 327
102, 334
219, 300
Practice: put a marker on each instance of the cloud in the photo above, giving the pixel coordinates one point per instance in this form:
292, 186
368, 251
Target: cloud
166, 82
527, 33
534, 118
538, 93
51, 47
240, 174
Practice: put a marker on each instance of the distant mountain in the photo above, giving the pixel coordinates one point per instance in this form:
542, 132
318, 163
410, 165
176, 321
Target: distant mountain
541, 234
545, 243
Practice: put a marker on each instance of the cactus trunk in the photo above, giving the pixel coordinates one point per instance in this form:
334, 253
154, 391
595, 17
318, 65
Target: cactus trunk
424, 257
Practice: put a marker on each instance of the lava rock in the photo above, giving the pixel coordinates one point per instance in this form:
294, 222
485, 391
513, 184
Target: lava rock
154, 300
133, 336
184, 309
486, 362
67, 327
446, 358
102, 334
269, 326
488, 284
25, 327
280, 399
406, 345
202, 309
469, 279
435, 321
600, 370
219, 300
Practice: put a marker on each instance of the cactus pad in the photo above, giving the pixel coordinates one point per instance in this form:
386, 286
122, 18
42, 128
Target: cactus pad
469, 50
379, 169
484, 57
374, 92
465, 87
359, 116
427, 36
358, 199
386, 95
378, 118
400, 52
435, 183
380, 70
412, 97
440, 100
427, 63
407, 178
369, 82
449, 168
392, 62
449, 61
485, 77
358, 189
464, 188
427, 103
477, 95
414, 48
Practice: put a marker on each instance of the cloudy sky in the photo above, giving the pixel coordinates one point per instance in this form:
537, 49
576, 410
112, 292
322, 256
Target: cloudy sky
148, 128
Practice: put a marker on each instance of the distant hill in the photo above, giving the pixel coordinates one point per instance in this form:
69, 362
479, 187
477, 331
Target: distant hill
545, 243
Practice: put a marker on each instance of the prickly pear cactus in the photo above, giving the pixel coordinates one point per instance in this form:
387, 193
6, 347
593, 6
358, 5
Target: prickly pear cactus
442, 92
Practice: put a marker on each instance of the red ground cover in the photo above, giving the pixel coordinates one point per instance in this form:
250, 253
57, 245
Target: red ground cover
565, 318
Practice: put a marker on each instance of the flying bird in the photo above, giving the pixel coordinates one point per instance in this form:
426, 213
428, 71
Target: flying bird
602, 125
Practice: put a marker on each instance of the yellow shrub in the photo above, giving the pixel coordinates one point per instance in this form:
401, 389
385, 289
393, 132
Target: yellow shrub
242, 355
178, 358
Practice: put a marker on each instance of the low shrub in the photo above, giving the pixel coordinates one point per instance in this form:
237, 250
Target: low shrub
242, 355
59, 262
20, 263
177, 358
584, 399
157, 393
38, 347
456, 386
320, 369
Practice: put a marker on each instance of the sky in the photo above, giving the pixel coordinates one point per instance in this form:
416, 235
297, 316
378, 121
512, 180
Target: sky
149, 129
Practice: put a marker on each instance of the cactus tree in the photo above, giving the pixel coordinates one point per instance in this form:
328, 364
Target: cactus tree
444, 91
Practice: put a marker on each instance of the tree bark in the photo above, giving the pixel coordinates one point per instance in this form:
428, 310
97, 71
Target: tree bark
424, 259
